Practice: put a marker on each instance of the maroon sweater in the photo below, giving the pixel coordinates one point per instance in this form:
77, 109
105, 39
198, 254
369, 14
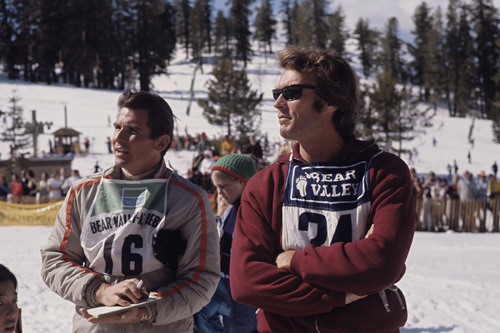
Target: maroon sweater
312, 297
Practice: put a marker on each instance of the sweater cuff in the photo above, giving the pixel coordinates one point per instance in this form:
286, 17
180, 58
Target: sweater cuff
91, 291
150, 314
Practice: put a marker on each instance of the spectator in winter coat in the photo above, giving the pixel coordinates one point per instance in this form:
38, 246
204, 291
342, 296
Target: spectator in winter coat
54, 185
228, 145
16, 188
229, 175
254, 149
42, 184
68, 182
4, 187
466, 187
137, 220
322, 235
32, 183
427, 200
482, 186
493, 187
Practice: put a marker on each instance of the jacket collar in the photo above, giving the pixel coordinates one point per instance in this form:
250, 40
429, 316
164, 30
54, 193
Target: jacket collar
351, 149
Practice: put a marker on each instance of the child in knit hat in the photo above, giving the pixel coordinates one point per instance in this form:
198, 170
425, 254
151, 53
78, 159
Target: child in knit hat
229, 175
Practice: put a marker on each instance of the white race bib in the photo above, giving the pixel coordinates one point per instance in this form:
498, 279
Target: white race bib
324, 204
118, 231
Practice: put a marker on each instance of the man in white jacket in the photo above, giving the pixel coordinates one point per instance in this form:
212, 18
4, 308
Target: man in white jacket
102, 243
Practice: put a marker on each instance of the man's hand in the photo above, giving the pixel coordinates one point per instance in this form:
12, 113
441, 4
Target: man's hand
349, 298
222, 205
370, 231
284, 258
123, 293
128, 317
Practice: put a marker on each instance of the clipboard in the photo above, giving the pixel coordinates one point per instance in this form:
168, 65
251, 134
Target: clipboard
103, 311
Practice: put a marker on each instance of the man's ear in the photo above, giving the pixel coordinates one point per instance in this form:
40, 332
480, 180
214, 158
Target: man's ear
330, 109
162, 142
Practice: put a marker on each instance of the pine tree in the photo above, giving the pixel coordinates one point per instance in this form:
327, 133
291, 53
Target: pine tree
49, 38
207, 23
265, 25
7, 50
423, 25
200, 29
122, 45
338, 33
25, 16
240, 29
155, 39
293, 19
320, 26
398, 111
391, 54
196, 32
486, 26
222, 35
231, 102
367, 45
410, 118
385, 100
459, 59
288, 19
310, 24
434, 71
303, 32
367, 119
182, 14
495, 106
14, 129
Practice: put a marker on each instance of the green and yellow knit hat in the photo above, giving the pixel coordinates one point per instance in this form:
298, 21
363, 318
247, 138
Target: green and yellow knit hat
237, 165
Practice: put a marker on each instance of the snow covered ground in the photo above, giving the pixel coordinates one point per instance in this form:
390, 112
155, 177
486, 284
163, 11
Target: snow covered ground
452, 282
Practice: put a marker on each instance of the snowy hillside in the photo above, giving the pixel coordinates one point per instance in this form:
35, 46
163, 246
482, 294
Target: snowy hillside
90, 111
452, 282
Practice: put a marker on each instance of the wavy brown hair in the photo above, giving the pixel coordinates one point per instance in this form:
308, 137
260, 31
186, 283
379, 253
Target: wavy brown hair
335, 80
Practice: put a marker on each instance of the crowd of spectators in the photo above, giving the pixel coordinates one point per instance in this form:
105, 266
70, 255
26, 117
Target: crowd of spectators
210, 151
26, 185
434, 191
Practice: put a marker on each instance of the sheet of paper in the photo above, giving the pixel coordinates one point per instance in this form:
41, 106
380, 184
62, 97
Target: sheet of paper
102, 311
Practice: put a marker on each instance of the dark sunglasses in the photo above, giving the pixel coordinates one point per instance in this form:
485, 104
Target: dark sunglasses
291, 93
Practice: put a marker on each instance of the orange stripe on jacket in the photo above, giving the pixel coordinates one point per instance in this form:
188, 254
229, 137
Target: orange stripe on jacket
203, 243
64, 242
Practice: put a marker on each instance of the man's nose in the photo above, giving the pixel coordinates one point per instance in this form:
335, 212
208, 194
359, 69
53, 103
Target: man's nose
11, 309
280, 102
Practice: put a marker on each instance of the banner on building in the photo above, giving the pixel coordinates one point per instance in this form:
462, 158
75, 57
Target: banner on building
26, 214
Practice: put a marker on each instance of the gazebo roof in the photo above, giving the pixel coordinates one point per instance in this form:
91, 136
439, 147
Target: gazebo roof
65, 132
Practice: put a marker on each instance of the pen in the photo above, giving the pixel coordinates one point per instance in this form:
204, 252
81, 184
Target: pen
139, 285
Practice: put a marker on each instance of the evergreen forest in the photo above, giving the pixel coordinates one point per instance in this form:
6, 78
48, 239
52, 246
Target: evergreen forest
453, 60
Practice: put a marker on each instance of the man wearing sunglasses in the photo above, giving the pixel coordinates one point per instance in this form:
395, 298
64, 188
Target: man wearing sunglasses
323, 234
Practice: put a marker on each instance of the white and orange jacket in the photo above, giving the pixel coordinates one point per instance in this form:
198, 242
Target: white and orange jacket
103, 233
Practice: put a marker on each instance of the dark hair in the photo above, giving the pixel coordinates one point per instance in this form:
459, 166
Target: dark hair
160, 119
335, 80
6, 275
